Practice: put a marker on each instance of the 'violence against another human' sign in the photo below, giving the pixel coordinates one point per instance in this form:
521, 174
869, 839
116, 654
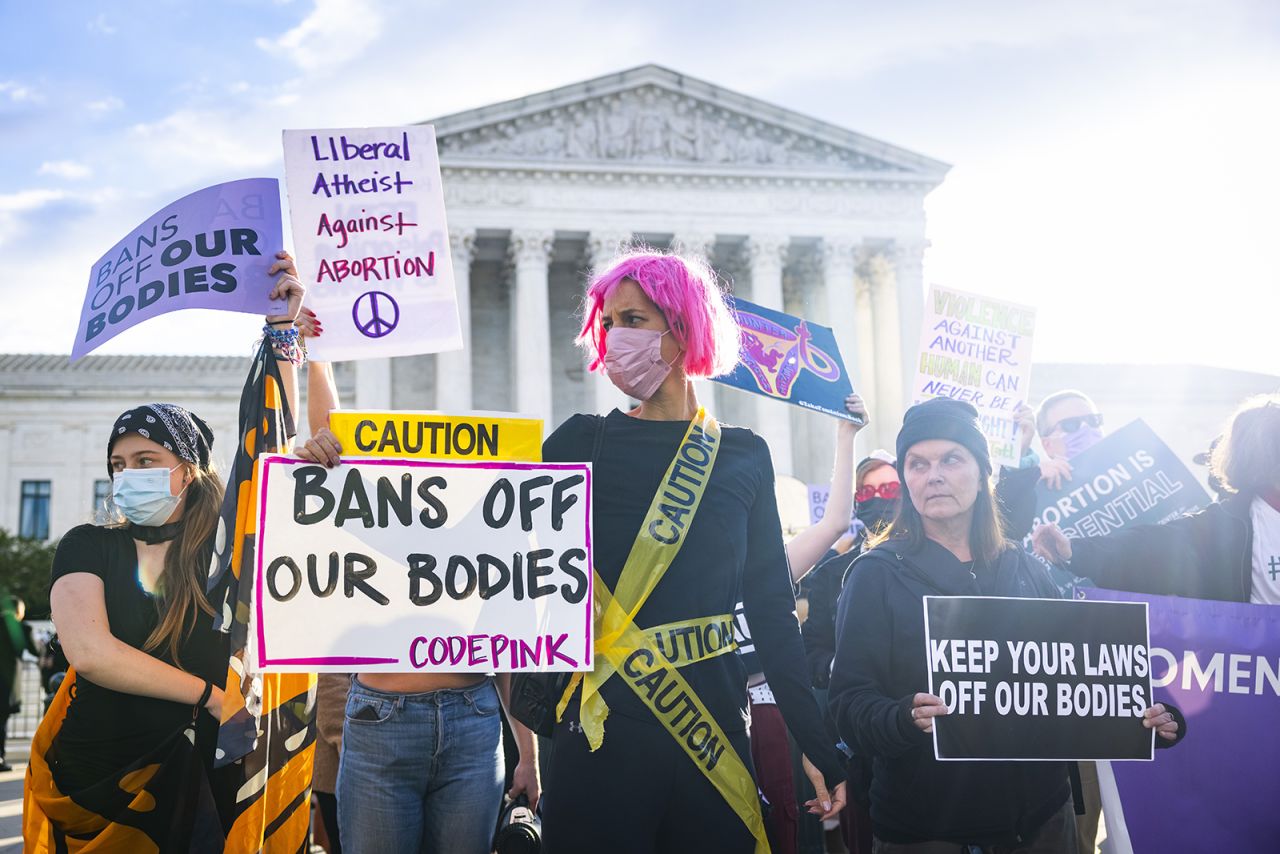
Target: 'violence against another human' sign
210, 249
409, 565
1039, 678
978, 349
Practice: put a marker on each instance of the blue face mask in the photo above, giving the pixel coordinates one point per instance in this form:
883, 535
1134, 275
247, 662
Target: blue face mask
143, 495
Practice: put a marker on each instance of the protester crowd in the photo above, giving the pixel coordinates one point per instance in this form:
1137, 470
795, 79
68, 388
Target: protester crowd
419, 761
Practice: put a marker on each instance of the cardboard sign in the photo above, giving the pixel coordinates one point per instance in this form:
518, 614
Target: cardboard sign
790, 359
407, 565
430, 435
1129, 478
369, 231
1219, 663
977, 349
211, 249
1041, 679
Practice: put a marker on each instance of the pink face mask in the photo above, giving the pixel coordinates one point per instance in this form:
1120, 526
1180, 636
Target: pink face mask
634, 361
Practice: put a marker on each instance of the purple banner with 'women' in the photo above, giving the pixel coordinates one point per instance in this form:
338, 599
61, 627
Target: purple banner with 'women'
209, 249
1218, 790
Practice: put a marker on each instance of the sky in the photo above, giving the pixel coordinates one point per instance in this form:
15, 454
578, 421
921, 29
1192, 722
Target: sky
1115, 163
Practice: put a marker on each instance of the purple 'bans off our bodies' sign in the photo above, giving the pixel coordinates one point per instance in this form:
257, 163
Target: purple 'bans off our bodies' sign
372, 243
211, 249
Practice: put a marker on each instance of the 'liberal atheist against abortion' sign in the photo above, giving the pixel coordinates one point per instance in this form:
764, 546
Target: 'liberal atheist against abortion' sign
210, 249
405, 565
369, 230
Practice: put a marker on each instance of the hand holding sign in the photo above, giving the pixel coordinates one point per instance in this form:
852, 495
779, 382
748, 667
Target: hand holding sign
288, 289
1051, 544
1162, 721
924, 708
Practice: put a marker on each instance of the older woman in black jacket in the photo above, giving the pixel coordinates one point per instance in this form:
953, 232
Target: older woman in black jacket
946, 540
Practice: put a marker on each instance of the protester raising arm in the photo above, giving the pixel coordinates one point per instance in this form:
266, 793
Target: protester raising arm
77, 596
136, 626
807, 547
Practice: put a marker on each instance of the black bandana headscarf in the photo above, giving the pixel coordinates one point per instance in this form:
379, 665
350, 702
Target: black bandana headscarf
169, 426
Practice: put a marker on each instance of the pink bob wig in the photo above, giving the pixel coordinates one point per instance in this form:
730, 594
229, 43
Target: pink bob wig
689, 296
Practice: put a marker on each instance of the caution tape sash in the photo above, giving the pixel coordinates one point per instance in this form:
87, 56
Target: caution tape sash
637, 655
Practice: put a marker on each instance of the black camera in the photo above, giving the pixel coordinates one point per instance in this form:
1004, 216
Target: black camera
519, 829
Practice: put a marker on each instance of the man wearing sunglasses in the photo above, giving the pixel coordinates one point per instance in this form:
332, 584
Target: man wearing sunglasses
1069, 424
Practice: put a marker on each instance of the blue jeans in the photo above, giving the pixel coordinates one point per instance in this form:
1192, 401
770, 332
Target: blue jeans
420, 772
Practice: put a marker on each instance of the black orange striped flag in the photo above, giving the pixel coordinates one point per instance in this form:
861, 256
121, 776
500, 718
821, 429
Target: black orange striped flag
268, 720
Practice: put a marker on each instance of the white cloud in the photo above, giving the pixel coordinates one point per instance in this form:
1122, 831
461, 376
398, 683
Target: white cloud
101, 25
18, 93
68, 169
104, 105
335, 32
14, 206
189, 144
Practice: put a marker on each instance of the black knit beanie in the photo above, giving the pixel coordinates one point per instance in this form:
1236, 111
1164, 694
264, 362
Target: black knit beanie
943, 418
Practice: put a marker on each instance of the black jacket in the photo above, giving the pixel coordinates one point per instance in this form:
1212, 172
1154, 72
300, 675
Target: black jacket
1016, 498
880, 665
1207, 555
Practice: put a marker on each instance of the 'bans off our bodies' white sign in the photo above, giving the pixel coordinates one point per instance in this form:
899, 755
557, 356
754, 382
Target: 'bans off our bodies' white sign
371, 241
412, 565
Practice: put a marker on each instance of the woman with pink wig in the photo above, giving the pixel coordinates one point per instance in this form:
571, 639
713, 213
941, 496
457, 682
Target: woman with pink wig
685, 522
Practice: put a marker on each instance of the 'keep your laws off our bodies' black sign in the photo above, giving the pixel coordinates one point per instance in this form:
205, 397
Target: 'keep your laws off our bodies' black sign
1039, 679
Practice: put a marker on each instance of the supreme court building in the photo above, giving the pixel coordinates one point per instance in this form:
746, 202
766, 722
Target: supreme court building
792, 212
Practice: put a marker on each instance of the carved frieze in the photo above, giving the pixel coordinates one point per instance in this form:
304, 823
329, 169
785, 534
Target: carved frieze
651, 125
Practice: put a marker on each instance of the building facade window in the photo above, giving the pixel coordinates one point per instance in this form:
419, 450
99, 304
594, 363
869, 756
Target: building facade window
33, 519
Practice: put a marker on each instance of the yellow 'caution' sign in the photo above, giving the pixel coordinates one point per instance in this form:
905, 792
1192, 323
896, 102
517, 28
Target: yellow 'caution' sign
428, 435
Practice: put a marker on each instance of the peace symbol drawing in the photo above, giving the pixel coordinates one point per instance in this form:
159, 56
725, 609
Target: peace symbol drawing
375, 314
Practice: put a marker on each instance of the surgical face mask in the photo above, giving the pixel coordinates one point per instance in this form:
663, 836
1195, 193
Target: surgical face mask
1084, 438
634, 361
143, 495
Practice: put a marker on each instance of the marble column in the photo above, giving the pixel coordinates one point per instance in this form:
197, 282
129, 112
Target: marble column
601, 246
453, 369
699, 246
766, 255
838, 274
889, 368
907, 258
531, 324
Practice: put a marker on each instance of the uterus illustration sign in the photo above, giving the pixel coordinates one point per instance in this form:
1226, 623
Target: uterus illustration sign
789, 359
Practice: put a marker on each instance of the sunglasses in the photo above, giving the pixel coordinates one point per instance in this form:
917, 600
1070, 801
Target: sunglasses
890, 491
1074, 423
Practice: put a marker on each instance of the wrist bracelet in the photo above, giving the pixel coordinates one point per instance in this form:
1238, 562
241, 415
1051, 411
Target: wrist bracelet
286, 343
205, 695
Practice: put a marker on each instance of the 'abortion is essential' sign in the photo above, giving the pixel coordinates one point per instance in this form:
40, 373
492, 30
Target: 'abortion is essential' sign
978, 349
409, 565
211, 249
1129, 478
369, 228
1039, 678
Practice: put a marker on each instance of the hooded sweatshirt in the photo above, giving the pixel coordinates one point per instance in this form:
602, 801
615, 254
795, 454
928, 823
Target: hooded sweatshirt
880, 664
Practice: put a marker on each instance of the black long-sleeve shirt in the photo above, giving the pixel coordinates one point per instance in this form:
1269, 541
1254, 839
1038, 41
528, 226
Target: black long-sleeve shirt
734, 544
